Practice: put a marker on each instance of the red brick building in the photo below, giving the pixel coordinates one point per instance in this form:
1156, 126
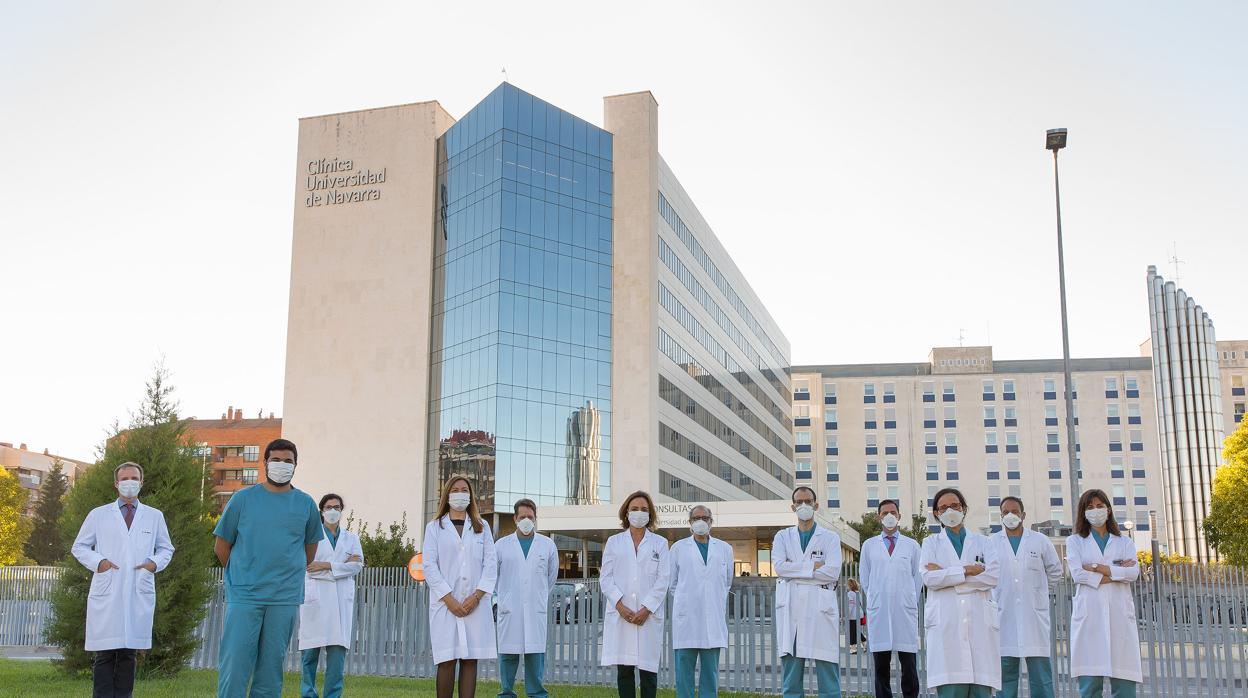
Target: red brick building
234, 445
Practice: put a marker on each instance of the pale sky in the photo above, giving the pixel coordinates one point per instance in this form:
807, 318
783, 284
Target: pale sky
876, 169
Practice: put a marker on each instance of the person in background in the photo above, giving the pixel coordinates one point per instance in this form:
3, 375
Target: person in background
1029, 565
266, 538
125, 544
891, 577
807, 559
461, 568
855, 607
1104, 634
701, 579
960, 569
634, 582
528, 564
328, 610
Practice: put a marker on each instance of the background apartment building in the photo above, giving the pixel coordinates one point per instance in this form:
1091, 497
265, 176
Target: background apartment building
992, 428
31, 469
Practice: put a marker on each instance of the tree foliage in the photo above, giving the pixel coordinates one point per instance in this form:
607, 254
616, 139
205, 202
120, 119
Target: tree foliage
46, 545
14, 527
176, 482
918, 527
1226, 527
866, 527
391, 548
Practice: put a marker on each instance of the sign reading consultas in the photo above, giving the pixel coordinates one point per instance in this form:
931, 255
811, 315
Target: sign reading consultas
331, 181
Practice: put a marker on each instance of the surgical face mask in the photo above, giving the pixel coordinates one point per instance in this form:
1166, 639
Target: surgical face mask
638, 519
526, 526
700, 527
459, 500
1011, 520
889, 521
332, 516
129, 488
952, 517
1097, 517
805, 512
280, 471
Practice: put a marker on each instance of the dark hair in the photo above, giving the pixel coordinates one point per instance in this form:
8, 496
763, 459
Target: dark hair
328, 497
945, 491
128, 464
653, 523
280, 445
526, 502
444, 502
880, 506
1012, 498
799, 488
1082, 527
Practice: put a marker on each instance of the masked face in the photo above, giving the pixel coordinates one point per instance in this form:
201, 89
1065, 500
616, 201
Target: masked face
332, 516
952, 518
279, 472
638, 519
1098, 516
700, 527
526, 526
889, 521
459, 501
1011, 520
129, 488
805, 512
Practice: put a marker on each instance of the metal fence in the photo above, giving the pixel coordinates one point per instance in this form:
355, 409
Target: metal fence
1193, 632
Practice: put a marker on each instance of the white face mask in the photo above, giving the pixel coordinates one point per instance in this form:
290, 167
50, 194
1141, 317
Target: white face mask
1011, 520
332, 516
129, 488
526, 526
459, 500
280, 471
1097, 517
805, 512
638, 519
889, 521
700, 528
952, 517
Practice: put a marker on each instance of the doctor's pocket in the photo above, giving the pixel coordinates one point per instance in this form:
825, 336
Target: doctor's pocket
931, 613
311, 594
146, 582
994, 614
101, 582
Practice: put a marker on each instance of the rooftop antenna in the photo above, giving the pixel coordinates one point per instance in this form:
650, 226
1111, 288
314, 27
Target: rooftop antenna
505, 74
961, 335
1174, 259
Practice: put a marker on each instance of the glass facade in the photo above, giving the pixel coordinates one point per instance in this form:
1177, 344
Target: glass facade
520, 386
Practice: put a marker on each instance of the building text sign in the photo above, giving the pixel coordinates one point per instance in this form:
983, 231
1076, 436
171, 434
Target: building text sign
334, 181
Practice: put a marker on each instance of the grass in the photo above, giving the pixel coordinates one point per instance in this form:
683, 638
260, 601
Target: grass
39, 679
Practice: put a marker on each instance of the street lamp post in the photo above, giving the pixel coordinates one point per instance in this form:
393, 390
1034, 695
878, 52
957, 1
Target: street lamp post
1055, 140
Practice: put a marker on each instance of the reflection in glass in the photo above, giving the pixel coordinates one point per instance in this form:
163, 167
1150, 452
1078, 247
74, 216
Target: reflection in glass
471, 454
584, 442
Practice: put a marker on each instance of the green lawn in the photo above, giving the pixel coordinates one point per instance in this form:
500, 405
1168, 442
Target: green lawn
39, 679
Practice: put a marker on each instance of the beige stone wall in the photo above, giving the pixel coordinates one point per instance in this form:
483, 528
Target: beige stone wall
1233, 370
357, 381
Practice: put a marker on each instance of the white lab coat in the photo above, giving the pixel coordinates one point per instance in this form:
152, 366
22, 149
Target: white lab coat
807, 610
524, 585
121, 602
328, 609
460, 566
1104, 634
700, 594
960, 618
638, 578
892, 584
1022, 593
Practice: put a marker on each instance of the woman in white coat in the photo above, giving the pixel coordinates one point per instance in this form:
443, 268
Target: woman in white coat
960, 618
328, 609
634, 584
1104, 635
460, 569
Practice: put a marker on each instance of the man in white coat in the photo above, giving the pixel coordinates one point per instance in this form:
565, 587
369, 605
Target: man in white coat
807, 560
1029, 564
889, 570
125, 543
328, 611
528, 564
701, 579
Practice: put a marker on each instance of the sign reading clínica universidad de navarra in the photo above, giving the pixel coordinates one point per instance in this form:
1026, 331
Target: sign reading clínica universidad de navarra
331, 181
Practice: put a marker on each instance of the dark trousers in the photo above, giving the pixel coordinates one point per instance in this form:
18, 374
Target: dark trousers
853, 632
112, 674
628, 689
884, 678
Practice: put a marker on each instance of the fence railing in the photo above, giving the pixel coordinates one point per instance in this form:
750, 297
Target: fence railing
1193, 624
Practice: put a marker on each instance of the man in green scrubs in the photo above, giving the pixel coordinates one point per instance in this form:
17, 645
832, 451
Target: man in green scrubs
266, 538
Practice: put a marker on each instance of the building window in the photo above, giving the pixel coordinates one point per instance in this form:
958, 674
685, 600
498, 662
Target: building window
1055, 495
1007, 389
251, 454
868, 392
802, 441
829, 441
1052, 444
1120, 495
1133, 413
890, 392
929, 442
1237, 383
872, 447
873, 497
894, 492
1132, 386
929, 391
868, 418
947, 391
1137, 439
890, 444
1137, 466
951, 417
1011, 416
829, 418
801, 390
1141, 494
834, 496
801, 415
832, 467
1115, 439
951, 469
1016, 491
1050, 389
1057, 514
990, 442
951, 443
989, 389
829, 393
1111, 414
1111, 388
929, 417
1011, 442
932, 469
803, 465
250, 475
990, 416
890, 417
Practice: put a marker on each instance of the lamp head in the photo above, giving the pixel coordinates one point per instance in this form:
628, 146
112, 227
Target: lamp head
1055, 139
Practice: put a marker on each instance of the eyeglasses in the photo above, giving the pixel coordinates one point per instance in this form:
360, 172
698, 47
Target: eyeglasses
332, 507
955, 506
701, 518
